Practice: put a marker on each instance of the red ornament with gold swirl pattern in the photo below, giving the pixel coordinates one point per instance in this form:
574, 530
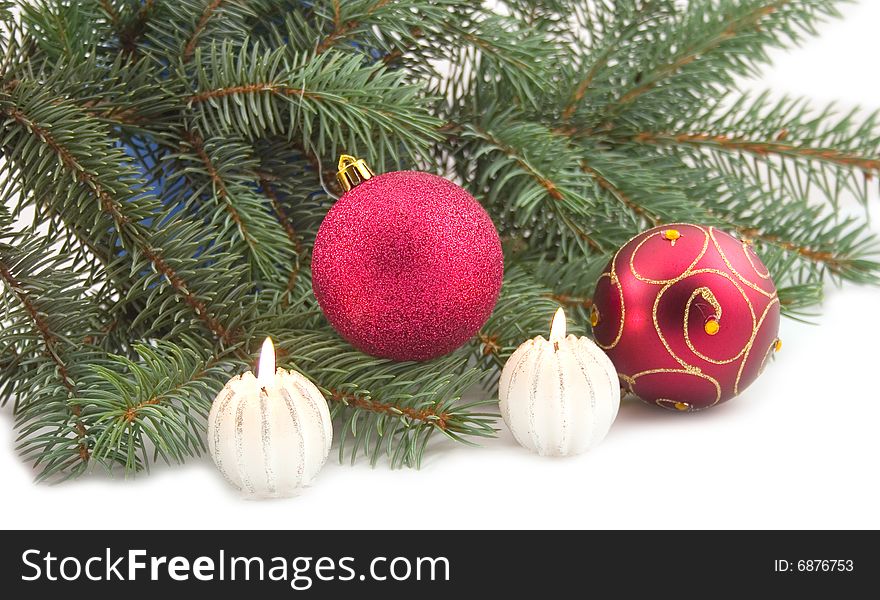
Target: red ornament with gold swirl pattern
688, 315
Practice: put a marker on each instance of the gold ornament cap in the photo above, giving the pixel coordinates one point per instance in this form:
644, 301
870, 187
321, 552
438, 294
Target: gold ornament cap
352, 171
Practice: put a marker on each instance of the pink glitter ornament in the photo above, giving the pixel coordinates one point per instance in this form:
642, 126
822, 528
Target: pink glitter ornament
406, 265
688, 315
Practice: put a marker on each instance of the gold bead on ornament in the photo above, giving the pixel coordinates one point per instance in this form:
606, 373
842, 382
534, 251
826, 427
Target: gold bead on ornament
672, 235
712, 326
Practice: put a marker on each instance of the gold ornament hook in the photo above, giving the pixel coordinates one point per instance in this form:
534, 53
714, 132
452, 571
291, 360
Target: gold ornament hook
352, 171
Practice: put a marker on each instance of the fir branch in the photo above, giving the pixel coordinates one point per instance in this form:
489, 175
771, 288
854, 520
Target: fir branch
545, 182
748, 21
255, 94
176, 31
762, 148
293, 278
227, 169
620, 195
494, 53
581, 89
281, 213
695, 56
210, 10
826, 257
782, 144
343, 29
160, 401
841, 245
120, 92
502, 139
524, 310
62, 31
199, 308
196, 143
93, 252
134, 27
49, 339
608, 33
46, 376
387, 407
70, 163
125, 217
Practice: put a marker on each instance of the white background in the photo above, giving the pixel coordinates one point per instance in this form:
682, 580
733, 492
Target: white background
799, 449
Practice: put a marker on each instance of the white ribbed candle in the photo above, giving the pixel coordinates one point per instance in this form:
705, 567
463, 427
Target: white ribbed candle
269, 441
559, 396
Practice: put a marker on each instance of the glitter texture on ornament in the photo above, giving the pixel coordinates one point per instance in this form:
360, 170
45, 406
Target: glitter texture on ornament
407, 265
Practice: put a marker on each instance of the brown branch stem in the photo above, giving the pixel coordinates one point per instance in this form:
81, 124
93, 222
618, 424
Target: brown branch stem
428, 416
582, 88
571, 301
819, 256
49, 341
281, 214
491, 346
111, 12
617, 193
133, 412
762, 148
131, 34
198, 145
340, 29
290, 230
202, 23
251, 88
180, 286
545, 182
